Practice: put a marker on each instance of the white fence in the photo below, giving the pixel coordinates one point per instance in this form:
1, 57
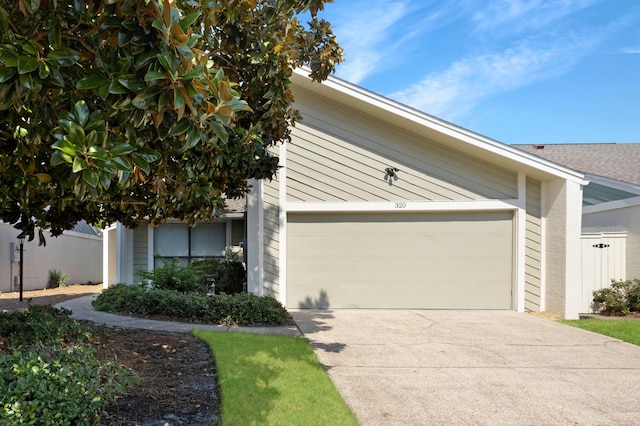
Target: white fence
603, 260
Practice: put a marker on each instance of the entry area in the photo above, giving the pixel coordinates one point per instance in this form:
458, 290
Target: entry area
454, 260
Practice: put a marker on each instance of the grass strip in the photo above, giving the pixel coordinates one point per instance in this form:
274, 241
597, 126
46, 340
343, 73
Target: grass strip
275, 380
626, 330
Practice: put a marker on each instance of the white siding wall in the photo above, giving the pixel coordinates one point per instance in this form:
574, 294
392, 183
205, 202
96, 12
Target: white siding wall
533, 247
345, 161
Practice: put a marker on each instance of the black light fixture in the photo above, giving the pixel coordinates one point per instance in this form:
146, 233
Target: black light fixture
391, 171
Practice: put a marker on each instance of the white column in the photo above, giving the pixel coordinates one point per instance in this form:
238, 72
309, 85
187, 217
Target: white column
255, 238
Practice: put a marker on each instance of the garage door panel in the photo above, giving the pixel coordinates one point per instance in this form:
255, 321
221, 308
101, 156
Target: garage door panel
459, 260
381, 246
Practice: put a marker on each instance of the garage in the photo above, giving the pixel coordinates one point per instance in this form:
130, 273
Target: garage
452, 260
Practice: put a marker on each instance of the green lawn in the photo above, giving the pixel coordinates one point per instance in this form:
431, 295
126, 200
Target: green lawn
274, 380
627, 330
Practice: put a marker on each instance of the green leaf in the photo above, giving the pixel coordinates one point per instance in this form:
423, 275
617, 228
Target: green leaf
64, 57
122, 163
178, 98
142, 163
76, 135
27, 64
180, 127
105, 179
56, 78
59, 157
219, 130
79, 164
54, 37
146, 98
65, 147
193, 137
4, 19
8, 55
32, 5
186, 22
116, 88
43, 70
91, 177
6, 74
154, 75
103, 91
122, 149
92, 82
82, 113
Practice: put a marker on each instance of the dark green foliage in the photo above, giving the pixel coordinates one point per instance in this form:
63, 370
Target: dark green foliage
173, 276
49, 373
226, 275
125, 109
622, 298
239, 309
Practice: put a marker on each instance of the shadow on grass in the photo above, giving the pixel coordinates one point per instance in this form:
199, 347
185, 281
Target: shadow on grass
268, 379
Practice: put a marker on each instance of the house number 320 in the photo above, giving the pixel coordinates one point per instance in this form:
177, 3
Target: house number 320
401, 205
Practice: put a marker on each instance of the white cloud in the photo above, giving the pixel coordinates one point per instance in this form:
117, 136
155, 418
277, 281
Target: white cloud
520, 15
629, 50
363, 31
452, 93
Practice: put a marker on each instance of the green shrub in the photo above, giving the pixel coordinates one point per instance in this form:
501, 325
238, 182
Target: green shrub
227, 275
56, 386
49, 373
57, 279
240, 309
173, 276
43, 324
622, 298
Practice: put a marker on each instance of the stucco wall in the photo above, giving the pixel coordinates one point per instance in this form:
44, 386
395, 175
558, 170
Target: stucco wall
77, 255
562, 236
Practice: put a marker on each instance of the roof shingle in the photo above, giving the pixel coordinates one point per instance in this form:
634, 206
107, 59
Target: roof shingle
620, 161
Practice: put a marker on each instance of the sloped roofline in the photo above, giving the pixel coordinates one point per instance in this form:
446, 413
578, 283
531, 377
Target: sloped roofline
457, 137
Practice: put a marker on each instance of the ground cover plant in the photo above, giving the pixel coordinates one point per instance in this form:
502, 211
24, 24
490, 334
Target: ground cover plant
272, 379
627, 330
49, 373
237, 309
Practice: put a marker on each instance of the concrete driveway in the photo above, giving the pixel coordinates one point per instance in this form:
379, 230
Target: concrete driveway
473, 367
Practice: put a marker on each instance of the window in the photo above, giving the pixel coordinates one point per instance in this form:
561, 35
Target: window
178, 241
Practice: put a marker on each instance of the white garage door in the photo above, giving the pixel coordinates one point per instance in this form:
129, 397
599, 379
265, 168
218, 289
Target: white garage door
403, 260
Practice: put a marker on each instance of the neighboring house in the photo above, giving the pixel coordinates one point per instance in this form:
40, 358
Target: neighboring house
127, 251
76, 253
611, 203
378, 205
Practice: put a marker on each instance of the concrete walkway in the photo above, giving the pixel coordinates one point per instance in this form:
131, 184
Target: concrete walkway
396, 367
83, 310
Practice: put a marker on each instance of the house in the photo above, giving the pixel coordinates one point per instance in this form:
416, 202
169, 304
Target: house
378, 205
611, 207
76, 253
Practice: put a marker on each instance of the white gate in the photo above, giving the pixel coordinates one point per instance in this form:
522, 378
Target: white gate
603, 260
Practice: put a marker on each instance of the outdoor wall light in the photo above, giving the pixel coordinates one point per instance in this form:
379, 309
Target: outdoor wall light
391, 171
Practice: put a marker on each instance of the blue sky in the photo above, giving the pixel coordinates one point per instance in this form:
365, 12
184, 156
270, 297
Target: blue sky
518, 71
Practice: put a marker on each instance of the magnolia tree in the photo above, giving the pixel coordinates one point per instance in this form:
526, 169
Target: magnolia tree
131, 110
